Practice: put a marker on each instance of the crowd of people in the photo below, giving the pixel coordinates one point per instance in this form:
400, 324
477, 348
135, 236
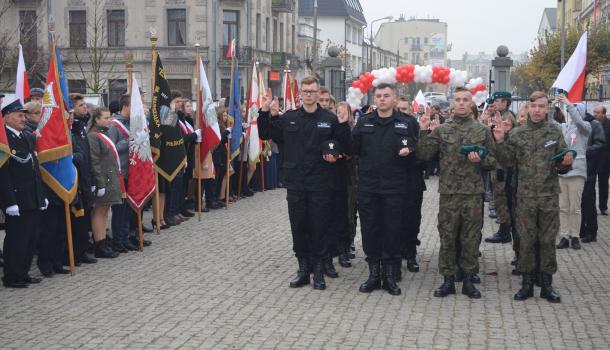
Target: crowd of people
536, 169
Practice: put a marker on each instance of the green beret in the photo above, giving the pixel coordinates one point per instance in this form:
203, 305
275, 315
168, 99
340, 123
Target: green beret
502, 94
489, 100
559, 157
481, 150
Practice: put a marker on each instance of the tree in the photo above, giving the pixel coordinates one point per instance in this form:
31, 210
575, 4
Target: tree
544, 64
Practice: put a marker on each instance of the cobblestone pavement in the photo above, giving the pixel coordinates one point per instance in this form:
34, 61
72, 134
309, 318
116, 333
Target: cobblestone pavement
223, 283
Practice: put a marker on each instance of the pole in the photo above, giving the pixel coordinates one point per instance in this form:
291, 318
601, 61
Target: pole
241, 169
69, 236
153, 43
198, 127
314, 60
563, 32
228, 146
263, 171
140, 237
213, 47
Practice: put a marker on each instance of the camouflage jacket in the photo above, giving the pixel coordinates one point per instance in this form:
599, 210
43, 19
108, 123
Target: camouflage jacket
458, 174
530, 149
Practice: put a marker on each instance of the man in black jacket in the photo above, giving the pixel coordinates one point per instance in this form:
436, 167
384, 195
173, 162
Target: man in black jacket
603, 170
307, 173
22, 197
384, 142
595, 151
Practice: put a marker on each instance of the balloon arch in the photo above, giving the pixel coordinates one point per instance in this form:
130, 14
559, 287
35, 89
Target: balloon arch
415, 74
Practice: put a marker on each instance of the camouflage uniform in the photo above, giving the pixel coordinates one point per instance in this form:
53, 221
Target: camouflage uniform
460, 187
499, 181
530, 149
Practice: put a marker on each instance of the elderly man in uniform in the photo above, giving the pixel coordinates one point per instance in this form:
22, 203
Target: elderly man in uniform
22, 197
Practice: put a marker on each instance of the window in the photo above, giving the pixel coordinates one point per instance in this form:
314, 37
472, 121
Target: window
274, 35
185, 86
77, 86
117, 88
78, 29
348, 33
176, 27
294, 39
28, 34
355, 35
268, 34
258, 31
281, 37
116, 28
230, 24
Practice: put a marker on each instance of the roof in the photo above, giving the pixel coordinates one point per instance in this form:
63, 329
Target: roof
551, 14
333, 8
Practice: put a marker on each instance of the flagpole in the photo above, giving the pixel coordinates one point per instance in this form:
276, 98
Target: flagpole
233, 49
243, 148
153, 43
197, 126
228, 147
69, 236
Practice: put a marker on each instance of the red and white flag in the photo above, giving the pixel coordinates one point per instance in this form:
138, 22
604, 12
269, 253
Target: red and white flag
253, 140
141, 180
231, 49
290, 92
22, 88
419, 100
206, 115
572, 76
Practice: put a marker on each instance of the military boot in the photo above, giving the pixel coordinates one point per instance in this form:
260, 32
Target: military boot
547, 292
563, 243
468, 287
103, 251
527, 288
318, 274
502, 236
329, 268
389, 279
448, 287
344, 256
302, 277
374, 281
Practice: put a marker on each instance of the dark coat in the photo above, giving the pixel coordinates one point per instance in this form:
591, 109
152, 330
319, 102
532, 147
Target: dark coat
82, 161
104, 167
596, 148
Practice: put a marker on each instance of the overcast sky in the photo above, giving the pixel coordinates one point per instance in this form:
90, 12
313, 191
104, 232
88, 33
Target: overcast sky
472, 25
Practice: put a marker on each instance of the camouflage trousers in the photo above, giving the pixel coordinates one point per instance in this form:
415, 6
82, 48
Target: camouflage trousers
500, 198
459, 218
538, 225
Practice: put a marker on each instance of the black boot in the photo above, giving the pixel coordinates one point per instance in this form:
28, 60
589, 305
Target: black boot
318, 274
527, 288
412, 264
547, 292
468, 287
575, 243
389, 279
302, 277
103, 251
502, 236
329, 268
448, 287
563, 243
344, 256
476, 279
374, 281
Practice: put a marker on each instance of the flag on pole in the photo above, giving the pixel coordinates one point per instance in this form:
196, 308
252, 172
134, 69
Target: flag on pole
419, 100
141, 180
22, 87
206, 113
254, 142
4, 148
231, 49
63, 82
295, 93
235, 112
53, 139
572, 76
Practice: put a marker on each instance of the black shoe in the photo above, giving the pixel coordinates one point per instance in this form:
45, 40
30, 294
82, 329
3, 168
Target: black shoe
247, 192
163, 226
329, 268
32, 280
103, 251
588, 239
412, 265
187, 213
205, 209
527, 288
135, 241
15, 284
130, 247
476, 279
171, 221
502, 236
146, 229
563, 243
119, 247
448, 287
214, 205
60, 270
87, 259
468, 287
344, 260
318, 275
515, 272
575, 243
302, 277
547, 292
46, 271
389, 279
604, 212
374, 280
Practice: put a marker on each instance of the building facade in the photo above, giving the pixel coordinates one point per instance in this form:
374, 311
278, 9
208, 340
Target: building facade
548, 23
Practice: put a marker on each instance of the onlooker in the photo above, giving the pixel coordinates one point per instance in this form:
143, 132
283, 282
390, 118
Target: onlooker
603, 172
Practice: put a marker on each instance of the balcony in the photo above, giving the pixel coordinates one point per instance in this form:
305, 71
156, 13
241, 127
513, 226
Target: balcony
243, 55
282, 5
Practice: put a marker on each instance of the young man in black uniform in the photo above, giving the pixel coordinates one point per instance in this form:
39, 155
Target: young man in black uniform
384, 142
22, 198
306, 173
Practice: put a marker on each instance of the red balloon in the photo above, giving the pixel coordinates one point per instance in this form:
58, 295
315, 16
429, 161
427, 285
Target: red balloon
357, 84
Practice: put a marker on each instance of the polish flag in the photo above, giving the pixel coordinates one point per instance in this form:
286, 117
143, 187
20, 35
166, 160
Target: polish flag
254, 142
572, 76
419, 100
206, 115
231, 49
22, 88
290, 92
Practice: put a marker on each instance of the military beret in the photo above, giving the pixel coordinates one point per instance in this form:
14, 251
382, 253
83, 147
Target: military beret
481, 150
501, 94
38, 92
559, 157
489, 100
14, 106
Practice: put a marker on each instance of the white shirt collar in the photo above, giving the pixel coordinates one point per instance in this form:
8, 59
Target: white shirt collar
18, 133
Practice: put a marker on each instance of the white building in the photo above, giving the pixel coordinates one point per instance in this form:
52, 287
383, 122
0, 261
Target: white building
548, 23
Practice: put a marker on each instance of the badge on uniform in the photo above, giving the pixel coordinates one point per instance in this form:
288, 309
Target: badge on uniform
550, 143
404, 142
331, 147
324, 125
401, 126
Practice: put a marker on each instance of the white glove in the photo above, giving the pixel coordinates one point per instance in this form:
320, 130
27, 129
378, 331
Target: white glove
229, 132
93, 189
244, 125
13, 210
101, 192
198, 133
46, 204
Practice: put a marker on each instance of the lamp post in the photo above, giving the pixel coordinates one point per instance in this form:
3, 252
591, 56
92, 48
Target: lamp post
389, 18
563, 32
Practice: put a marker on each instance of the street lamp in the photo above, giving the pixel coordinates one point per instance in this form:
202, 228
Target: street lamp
389, 18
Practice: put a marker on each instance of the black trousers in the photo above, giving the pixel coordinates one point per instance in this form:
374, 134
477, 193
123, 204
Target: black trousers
309, 214
20, 244
338, 235
81, 226
381, 217
588, 224
412, 221
602, 178
52, 237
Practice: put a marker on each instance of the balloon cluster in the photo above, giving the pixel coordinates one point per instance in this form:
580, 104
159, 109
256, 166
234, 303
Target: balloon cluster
407, 74
478, 90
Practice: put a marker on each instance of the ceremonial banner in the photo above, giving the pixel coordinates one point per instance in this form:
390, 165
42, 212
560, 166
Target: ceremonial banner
254, 142
572, 76
235, 112
206, 113
22, 87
